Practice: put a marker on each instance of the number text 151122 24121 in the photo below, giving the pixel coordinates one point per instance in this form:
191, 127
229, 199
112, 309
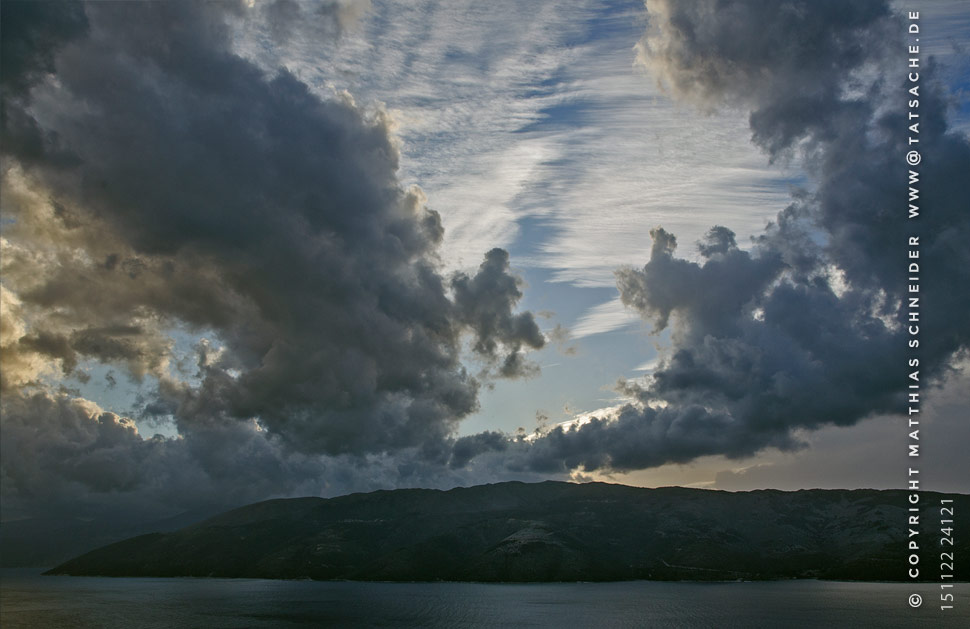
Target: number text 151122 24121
946, 556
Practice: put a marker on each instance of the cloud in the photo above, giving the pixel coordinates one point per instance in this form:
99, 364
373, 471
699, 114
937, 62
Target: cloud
471, 446
66, 455
203, 197
528, 128
322, 19
807, 328
164, 182
761, 53
484, 303
33, 34
835, 453
605, 317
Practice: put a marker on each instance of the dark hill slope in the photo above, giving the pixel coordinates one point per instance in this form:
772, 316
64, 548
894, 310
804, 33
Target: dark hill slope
544, 532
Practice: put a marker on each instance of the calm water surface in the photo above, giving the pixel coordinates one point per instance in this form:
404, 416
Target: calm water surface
29, 600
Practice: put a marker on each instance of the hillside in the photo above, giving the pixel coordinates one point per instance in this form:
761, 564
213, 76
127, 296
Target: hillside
547, 531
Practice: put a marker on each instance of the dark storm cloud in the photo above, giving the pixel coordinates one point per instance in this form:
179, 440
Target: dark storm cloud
484, 303
759, 51
207, 197
66, 453
65, 456
33, 32
50, 443
466, 448
640, 437
807, 328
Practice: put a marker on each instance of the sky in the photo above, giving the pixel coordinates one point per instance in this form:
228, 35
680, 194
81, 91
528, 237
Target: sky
268, 249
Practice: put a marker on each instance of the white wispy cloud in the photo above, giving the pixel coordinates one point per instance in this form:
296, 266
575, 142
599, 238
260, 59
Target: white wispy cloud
605, 317
461, 80
513, 111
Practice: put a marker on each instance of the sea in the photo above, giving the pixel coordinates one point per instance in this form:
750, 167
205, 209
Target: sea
30, 600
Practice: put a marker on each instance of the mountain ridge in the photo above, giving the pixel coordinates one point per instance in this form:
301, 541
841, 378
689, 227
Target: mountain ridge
550, 531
